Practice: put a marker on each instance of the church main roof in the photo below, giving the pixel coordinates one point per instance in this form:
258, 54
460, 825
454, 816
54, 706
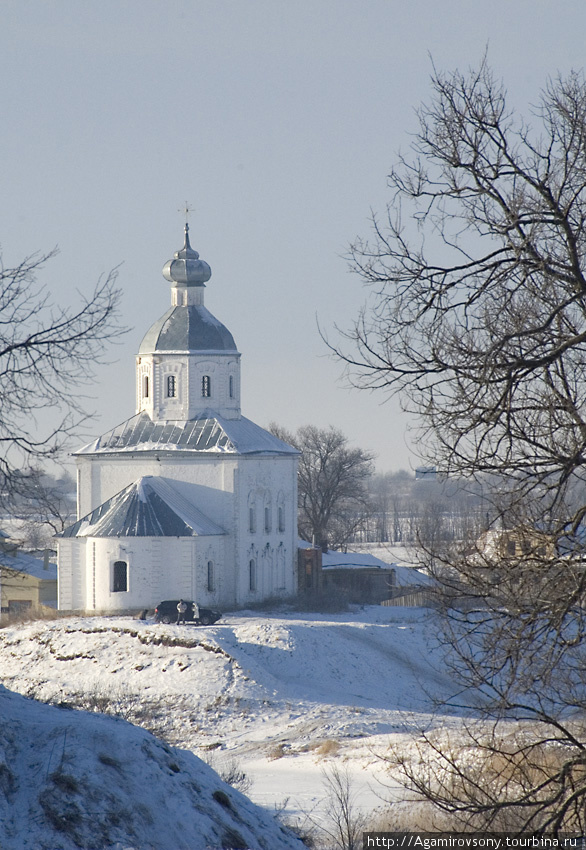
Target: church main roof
150, 507
209, 432
187, 328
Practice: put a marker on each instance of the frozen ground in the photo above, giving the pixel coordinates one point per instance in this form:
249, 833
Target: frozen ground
281, 695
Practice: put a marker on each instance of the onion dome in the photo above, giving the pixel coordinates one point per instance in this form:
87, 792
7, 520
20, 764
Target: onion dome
187, 269
188, 325
186, 329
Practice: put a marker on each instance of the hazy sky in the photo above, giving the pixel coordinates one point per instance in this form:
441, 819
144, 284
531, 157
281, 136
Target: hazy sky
278, 122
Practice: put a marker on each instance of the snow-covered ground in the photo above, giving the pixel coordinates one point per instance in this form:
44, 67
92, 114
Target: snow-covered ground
281, 695
75, 780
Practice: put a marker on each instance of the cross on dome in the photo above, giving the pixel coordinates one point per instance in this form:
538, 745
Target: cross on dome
186, 210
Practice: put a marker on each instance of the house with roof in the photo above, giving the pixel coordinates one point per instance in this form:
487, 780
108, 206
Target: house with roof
187, 497
357, 576
27, 584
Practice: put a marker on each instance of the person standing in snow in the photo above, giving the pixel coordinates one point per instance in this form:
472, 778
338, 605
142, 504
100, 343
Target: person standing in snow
181, 609
195, 611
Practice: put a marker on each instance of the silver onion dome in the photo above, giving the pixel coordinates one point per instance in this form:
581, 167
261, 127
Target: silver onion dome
186, 269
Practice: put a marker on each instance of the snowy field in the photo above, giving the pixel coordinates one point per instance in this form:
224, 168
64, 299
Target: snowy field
280, 695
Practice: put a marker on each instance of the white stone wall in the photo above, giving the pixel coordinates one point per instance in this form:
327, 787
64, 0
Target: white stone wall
101, 477
226, 488
266, 484
189, 370
71, 575
157, 568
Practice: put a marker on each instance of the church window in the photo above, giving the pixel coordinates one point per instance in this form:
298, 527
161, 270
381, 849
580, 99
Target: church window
281, 517
94, 574
252, 519
171, 386
267, 519
145, 386
120, 577
206, 386
252, 574
231, 386
211, 585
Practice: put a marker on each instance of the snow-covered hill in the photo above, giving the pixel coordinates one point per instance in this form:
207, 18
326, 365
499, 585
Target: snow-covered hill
278, 693
70, 779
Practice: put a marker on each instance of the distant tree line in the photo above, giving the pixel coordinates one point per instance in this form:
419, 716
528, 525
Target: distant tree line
344, 502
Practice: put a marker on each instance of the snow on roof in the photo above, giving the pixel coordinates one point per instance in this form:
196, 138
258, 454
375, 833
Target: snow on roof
208, 432
28, 564
332, 559
150, 507
356, 560
405, 575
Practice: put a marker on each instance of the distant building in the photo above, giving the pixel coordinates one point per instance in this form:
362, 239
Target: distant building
356, 576
187, 498
427, 472
498, 544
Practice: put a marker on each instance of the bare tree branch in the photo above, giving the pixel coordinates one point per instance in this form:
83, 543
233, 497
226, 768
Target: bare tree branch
48, 354
477, 318
333, 498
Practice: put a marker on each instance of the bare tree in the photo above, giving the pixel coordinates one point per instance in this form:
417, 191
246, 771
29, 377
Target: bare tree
478, 320
48, 354
333, 498
47, 508
344, 822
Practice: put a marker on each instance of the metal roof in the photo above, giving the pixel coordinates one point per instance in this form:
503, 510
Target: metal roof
209, 432
187, 328
150, 507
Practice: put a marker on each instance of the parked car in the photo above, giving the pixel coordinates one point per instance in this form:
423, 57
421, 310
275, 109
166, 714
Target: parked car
166, 612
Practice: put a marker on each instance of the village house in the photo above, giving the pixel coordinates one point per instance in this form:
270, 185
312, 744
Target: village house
357, 577
27, 584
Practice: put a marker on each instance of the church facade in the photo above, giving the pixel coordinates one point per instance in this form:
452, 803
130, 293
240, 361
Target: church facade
187, 498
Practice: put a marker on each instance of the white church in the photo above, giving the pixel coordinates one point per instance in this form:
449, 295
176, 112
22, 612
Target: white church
187, 498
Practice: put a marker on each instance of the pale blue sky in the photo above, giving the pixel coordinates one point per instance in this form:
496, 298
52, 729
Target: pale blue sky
278, 121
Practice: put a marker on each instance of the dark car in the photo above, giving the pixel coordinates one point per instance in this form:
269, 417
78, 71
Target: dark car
166, 612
